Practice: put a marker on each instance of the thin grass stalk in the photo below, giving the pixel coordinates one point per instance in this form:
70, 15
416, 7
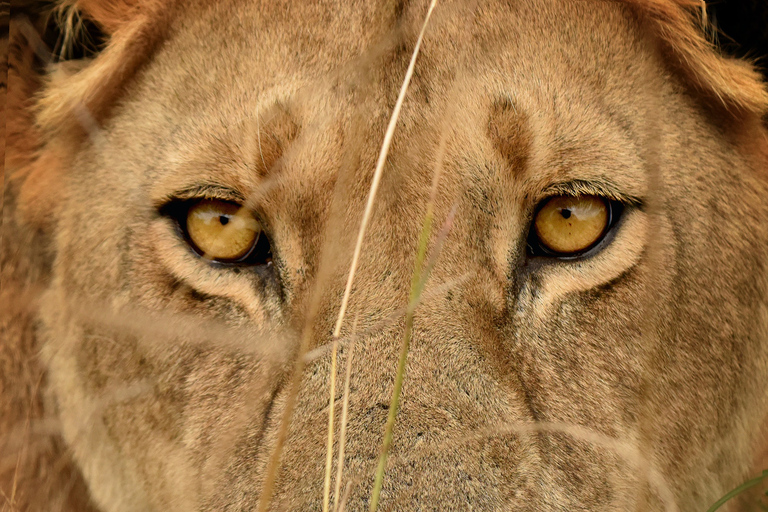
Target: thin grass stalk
417, 284
282, 433
377, 327
379, 170
8, 503
344, 498
434, 292
22, 451
738, 490
329, 450
343, 433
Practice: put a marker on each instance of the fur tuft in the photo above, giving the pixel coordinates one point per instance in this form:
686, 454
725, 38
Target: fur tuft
135, 29
110, 16
682, 27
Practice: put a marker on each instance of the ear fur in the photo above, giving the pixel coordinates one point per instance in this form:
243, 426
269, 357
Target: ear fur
44, 116
742, 29
23, 140
135, 28
682, 25
108, 15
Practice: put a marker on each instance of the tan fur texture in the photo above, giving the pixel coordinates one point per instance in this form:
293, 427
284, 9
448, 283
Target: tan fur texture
631, 379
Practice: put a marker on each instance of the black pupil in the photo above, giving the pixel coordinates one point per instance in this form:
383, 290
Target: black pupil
566, 213
224, 220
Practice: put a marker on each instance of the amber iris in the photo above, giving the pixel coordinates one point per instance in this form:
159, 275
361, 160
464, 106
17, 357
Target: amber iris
568, 225
221, 230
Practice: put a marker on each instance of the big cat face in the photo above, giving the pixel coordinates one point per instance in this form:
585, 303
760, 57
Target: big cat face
400, 255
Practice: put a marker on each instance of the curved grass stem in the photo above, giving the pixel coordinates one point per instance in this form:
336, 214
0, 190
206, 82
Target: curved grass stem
738, 490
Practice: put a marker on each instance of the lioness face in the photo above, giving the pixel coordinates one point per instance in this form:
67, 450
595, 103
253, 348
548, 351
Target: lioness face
553, 364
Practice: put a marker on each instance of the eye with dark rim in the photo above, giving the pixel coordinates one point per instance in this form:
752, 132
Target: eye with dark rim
571, 226
223, 232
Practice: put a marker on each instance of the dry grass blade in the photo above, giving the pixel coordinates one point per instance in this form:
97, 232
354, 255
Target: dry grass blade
378, 172
433, 292
9, 503
331, 403
344, 412
145, 326
418, 281
740, 489
386, 144
22, 452
344, 498
290, 403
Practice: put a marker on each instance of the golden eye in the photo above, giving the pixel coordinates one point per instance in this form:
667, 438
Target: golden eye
569, 225
222, 231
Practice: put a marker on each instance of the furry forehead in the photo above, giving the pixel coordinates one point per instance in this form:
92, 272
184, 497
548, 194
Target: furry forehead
134, 28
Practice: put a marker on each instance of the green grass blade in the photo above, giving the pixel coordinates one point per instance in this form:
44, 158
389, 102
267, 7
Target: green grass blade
740, 489
417, 285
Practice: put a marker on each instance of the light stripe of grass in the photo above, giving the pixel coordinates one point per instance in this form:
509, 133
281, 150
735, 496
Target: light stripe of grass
344, 412
386, 144
273, 463
329, 450
418, 281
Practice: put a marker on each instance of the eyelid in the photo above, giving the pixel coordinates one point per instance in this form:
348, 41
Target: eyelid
203, 191
589, 188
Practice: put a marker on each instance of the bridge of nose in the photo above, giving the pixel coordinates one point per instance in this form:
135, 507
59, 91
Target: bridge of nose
455, 389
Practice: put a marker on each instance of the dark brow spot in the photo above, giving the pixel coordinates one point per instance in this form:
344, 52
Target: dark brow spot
276, 128
508, 130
